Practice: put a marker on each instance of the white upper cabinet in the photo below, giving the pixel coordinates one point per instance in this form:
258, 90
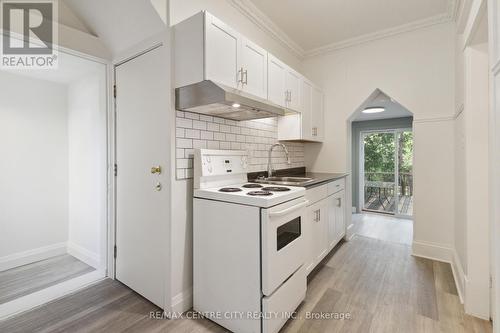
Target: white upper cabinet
292, 82
283, 85
317, 115
222, 52
205, 48
253, 71
276, 81
208, 49
308, 124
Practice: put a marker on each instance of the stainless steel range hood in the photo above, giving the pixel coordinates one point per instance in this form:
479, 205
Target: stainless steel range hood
215, 99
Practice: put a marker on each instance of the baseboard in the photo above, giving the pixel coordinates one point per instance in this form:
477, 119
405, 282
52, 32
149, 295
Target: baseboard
432, 251
183, 301
82, 254
459, 276
349, 232
442, 253
31, 256
49, 294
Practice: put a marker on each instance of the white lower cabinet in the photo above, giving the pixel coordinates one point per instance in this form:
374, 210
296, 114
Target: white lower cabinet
325, 222
336, 220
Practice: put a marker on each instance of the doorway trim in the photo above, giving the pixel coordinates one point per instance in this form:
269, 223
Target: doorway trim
51, 293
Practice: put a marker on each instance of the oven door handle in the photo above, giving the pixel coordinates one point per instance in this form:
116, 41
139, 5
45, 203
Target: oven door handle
289, 209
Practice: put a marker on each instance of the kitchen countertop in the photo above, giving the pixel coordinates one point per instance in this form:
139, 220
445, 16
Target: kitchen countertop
322, 178
319, 177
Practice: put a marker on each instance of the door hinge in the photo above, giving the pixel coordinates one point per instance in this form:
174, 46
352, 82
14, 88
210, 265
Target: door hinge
116, 170
114, 91
114, 252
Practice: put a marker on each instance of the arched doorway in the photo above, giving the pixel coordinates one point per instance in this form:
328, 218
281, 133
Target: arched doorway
380, 151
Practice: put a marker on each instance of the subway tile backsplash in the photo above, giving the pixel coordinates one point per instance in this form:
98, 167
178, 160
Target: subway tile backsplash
255, 136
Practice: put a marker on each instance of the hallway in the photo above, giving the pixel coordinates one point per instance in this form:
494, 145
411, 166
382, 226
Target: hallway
383, 227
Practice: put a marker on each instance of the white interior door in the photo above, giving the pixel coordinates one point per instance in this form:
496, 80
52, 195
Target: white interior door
142, 196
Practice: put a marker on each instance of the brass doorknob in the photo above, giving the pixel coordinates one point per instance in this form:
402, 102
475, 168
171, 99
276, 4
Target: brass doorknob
156, 169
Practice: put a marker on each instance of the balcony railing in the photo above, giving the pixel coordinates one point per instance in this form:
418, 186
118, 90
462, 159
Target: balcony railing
380, 196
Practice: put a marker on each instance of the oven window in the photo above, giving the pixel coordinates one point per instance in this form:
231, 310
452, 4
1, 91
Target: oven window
287, 233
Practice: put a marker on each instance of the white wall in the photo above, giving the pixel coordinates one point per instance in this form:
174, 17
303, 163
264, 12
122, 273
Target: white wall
222, 9
417, 70
87, 166
33, 164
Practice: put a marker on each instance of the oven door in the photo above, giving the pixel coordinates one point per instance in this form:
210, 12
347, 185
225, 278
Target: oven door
283, 247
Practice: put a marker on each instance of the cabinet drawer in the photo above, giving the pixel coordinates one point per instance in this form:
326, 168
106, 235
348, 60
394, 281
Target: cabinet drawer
284, 300
315, 194
336, 186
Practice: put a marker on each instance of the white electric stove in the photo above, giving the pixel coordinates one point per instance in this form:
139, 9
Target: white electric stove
248, 246
222, 175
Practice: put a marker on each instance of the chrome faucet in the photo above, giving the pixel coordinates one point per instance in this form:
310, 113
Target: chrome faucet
270, 169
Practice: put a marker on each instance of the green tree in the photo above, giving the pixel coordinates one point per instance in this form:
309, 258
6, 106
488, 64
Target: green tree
380, 150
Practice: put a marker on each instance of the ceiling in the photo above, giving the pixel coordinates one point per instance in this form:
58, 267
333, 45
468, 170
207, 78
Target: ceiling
119, 24
315, 24
378, 99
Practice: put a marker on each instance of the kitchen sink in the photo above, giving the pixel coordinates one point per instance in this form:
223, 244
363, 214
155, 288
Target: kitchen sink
297, 181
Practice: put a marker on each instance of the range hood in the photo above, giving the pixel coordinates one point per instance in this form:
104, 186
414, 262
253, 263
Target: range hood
215, 99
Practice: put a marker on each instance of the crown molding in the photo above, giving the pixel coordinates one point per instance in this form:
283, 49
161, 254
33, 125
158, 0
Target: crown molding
381, 34
261, 20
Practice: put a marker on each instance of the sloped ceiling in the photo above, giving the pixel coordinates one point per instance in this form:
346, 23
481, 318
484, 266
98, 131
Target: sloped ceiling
119, 24
379, 99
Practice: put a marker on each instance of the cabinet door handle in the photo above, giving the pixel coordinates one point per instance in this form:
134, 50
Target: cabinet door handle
245, 74
240, 75
339, 202
290, 100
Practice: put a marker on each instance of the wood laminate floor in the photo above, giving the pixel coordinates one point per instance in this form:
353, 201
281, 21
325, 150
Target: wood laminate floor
383, 227
377, 283
24, 280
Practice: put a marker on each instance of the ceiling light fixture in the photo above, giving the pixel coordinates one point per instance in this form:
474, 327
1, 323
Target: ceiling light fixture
236, 105
375, 109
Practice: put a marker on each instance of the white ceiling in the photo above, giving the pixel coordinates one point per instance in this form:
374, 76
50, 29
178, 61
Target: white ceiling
378, 99
119, 24
314, 24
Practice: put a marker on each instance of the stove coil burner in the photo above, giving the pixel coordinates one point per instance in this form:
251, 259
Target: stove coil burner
230, 189
275, 189
252, 186
259, 193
